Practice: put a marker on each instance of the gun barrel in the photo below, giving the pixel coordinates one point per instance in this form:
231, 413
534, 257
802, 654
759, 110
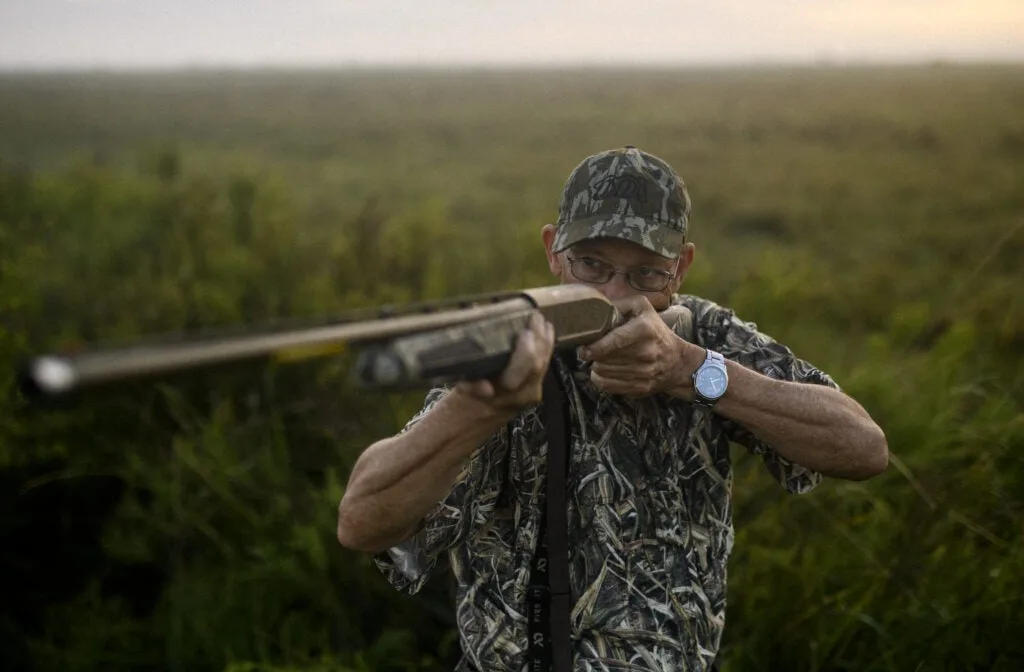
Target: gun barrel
60, 374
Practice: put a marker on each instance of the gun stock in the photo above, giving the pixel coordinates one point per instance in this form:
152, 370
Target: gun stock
421, 344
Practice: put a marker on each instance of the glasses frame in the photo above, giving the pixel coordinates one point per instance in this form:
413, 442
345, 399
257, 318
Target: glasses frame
612, 271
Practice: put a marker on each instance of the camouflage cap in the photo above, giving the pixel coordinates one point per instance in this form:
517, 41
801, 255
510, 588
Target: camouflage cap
624, 193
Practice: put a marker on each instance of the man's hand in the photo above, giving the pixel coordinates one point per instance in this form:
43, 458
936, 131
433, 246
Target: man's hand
520, 385
643, 356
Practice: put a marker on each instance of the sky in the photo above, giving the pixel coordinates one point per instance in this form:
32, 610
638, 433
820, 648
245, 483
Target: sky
133, 34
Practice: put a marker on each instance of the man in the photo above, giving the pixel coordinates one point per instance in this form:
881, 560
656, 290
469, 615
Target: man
649, 479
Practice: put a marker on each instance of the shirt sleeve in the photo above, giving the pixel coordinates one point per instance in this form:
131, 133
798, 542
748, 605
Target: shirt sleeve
467, 506
743, 343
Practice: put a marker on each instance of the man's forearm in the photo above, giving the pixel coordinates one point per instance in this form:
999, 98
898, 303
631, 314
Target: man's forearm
817, 427
398, 480
812, 425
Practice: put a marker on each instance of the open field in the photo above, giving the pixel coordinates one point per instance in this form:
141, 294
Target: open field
870, 218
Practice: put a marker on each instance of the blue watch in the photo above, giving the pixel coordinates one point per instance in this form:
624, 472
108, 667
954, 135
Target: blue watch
710, 380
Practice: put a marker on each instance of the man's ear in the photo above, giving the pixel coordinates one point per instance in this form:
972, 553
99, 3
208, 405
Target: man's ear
683, 265
554, 261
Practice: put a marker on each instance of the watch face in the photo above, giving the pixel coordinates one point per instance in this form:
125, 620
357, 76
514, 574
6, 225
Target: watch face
711, 382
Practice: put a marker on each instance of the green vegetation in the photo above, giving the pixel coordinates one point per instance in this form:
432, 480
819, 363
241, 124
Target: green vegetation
873, 219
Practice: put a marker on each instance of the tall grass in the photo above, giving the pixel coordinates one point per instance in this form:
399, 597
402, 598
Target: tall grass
871, 219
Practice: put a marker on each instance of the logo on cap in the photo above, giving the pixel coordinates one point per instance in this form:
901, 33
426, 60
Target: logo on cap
620, 186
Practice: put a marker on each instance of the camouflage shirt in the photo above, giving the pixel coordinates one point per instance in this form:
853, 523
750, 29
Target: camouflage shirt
650, 523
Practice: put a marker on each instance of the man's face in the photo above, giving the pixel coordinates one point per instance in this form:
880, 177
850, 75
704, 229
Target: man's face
593, 255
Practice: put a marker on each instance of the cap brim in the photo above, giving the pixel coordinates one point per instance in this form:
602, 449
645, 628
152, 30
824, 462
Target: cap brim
654, 236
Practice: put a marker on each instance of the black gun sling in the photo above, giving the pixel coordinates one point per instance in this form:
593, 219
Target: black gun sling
548, 598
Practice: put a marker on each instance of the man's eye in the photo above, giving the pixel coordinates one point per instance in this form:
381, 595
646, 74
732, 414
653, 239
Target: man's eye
647, 272
592, 263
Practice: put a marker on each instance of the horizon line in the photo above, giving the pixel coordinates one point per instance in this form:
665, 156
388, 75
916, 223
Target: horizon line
823, 61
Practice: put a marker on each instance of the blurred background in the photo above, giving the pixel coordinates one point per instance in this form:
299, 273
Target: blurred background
857, 174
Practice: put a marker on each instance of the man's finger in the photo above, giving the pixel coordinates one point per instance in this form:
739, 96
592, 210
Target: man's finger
546, 334
631, 388
482, 389
631, 306
533, 351
613, 386
622, 372
521, 362
617, 338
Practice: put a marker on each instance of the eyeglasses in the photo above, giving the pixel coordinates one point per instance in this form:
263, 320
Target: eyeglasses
597, 272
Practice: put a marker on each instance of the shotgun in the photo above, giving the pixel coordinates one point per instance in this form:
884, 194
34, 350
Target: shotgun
404, 347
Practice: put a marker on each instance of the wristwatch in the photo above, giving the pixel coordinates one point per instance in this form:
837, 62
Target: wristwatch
710, 380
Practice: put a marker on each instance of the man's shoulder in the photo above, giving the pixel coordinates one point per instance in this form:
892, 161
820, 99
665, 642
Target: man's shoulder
712, 321
699, 305
720, 328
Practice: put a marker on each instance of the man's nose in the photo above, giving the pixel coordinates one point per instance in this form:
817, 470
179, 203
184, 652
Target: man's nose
617, 288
